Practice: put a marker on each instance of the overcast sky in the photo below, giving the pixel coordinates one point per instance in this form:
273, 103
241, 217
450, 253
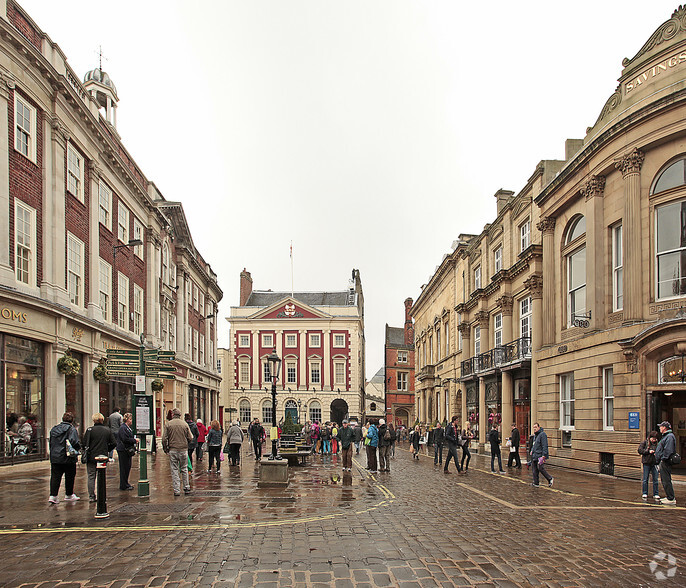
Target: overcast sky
368, 133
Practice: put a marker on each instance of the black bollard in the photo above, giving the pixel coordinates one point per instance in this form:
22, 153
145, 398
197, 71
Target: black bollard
101, 487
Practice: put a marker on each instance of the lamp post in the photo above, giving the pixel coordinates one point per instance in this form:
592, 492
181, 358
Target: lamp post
299, 415
274, 363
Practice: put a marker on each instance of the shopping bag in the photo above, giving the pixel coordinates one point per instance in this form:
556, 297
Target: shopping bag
190, 464
221, 456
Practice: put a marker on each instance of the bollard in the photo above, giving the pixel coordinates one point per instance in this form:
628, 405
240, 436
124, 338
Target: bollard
101, 488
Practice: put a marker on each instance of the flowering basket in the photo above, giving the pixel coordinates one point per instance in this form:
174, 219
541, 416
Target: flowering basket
100, 372
68, 365
157, 385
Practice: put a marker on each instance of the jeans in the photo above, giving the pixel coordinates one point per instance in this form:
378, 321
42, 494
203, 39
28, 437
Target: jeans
467, 454
357, 446
124, 469
383, 458
257, 447
495, 454
326, 446
539, 468
666, 477
178, 463
452, 453
57, 470
649, 469
438, 453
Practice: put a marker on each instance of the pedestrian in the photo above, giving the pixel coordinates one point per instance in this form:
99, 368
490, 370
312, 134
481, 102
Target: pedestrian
114, 421
357, 437
384, 446
316, 439
372, 442
98, 440
529, 447
175, 439
234, 440
439, 437
666, 448
64, 445
256, 435
452, 440
415, 436
467, 437
647, 450
326, 439
347, 436
394, 437
192, 445
334, 438
514, 448
494, 440
539, 455
126, 449
214, 445
202, 435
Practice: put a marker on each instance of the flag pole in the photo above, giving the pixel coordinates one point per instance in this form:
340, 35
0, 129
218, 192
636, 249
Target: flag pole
291, 269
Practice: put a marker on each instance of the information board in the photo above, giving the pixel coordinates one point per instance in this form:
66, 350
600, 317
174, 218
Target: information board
634, 420
142, 414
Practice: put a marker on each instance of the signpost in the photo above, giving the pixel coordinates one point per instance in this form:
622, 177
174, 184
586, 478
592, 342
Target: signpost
151, 363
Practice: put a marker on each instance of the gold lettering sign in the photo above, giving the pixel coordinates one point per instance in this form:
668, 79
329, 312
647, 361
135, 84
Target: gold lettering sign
655, 71
13, 315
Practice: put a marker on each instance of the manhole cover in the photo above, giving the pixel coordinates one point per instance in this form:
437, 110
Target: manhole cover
151, 508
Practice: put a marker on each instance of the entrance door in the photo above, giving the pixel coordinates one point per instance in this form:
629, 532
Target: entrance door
292, 409
339, 411
523, 421
672, 408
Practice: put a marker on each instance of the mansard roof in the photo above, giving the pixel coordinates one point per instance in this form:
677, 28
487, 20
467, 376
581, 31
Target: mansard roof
260, 298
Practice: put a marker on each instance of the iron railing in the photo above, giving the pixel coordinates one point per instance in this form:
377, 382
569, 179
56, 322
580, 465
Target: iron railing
517, 350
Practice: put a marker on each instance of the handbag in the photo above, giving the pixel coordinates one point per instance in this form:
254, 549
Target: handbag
190, 464
367, 440
675, 458
221, 456
131, 450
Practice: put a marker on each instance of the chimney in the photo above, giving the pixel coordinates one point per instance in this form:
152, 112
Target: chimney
246, 287
502, 196
409, 326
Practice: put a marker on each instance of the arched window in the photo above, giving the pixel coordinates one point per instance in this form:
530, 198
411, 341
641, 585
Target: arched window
672, 176
267, 411
670, 232
244, 411
576, 269
315, 411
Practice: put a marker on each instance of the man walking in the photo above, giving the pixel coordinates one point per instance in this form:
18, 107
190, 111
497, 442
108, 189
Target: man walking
347, 435
452, 438
514, 448
663, 454
357, 437
539, 455
175, 440
494, 440
384, 446
439, 437
256, 435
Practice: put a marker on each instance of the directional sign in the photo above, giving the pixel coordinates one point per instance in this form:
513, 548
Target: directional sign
122, 374
159, 367
128, 370
150, 354
123, 364
161, 376
166, 355
122, 353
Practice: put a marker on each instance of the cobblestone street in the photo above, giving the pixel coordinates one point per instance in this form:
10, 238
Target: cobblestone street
414, 526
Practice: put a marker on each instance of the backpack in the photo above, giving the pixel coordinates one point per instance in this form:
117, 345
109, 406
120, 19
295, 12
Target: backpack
387, 435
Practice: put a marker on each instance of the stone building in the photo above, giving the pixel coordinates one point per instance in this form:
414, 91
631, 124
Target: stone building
399, 377
319, 337
611, 358
92, 257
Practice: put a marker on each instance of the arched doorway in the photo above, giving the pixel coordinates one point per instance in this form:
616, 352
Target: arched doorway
402, 417
339, 410
292, 409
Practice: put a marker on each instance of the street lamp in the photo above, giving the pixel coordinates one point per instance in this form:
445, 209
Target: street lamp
131, 243
299, 416
274, 363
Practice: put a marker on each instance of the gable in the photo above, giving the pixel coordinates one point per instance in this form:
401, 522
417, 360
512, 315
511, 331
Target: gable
288, 308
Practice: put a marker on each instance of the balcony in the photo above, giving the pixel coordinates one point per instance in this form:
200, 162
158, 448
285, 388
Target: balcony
427, 372
498, 358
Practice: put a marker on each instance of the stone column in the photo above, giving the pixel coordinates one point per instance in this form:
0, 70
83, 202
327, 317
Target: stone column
483, 421
6, 273
630, 166
547, 227
327, 376
304, 374
595, 264
535, 287
483, 319
94, 310
506, 303
507, 391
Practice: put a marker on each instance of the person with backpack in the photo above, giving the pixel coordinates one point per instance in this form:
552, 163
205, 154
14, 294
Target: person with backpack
372, 442
347, 435
384, 446
326, 439
647, 451
334, 438
666, 448
415, 436
192, 445
64, 445
467, 437
394, 436
357, 437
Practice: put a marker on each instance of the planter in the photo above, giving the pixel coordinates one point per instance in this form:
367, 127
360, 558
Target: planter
100, 372
68, 365
157, 385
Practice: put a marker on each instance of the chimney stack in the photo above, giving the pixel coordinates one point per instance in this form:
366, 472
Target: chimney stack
502, 196
409, 326
246, 287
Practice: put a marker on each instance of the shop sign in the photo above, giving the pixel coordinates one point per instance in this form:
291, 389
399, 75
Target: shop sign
10, 314
634, 420
656, 70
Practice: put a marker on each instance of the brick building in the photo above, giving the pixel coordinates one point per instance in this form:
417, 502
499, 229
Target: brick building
320, 338
399, 371
92, 257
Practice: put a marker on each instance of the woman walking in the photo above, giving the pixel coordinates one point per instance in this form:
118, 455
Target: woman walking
214, 445
415, 437
373, 436
234, 440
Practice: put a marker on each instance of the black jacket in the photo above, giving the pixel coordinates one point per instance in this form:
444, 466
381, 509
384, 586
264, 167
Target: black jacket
357, 434
644, 448
346, 435
256, 432
439, 436
452, 436
125, 438
494, 440
194, 431
382, 433
58, 442
99, 440
515, 438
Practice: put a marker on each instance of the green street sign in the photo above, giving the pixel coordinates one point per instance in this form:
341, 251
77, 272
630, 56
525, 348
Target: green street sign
122, 374
166, 355
150, 353
126, 352
161, 376
160, 367
122, 368
123, 364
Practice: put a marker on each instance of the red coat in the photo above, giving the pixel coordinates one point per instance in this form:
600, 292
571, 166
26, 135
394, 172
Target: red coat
202, 432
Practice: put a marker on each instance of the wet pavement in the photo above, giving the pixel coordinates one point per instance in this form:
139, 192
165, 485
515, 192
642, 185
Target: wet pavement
412, 527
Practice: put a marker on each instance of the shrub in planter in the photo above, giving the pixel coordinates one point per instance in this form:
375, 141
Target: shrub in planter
68, 365
157, 385
100, 372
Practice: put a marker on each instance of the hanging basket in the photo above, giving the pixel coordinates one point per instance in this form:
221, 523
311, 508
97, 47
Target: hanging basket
100, 372
157, 385
68, 365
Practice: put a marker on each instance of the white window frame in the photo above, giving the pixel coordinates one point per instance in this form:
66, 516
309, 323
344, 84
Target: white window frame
267, 412
195, 346
268, 340
667, 252
138, 234
339, 340
315, 411
525, 316
244, 411
477, 340
75, 172
105, 290
244, 340
447, 339
75, 270
572, 292
498, 330
315, 339
438, 342
172, 330
608, 399
25, 133
431, 350
201, 349
201, 303
525, 235
567, 398
402, 356
244, 371
23, 215
105, 205
339, 373
266, 373
315, 369
617, 269
402, 381
189, 341
498, 259
122, 222
195, 296
122, 301
291, 372
477, 277
291, 340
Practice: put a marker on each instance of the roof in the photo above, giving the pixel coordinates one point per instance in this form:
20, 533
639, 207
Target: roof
395, 338
378, 376
258, 298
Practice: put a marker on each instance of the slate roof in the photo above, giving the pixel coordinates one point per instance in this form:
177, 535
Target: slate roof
309, 298
395, 337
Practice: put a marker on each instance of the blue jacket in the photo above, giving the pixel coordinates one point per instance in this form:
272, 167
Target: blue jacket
125, 438
540, 446
373, 436
666, 447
